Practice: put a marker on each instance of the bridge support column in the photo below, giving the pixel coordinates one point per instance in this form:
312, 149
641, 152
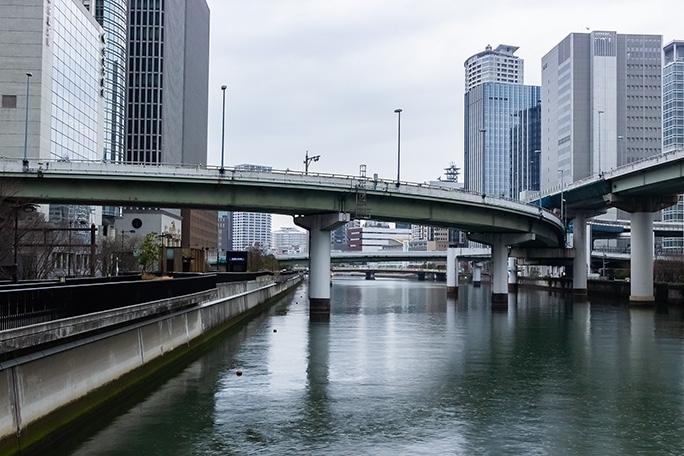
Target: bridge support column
477, 275
499, 273
579, 264
452, 273
641, 261
512, 275
320, 227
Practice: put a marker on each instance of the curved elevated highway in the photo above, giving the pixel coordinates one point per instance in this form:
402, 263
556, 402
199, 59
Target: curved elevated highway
280, 192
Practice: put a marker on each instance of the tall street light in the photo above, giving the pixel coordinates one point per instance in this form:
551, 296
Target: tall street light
25, 162
223, 129
398, 111
482, 164
599, 142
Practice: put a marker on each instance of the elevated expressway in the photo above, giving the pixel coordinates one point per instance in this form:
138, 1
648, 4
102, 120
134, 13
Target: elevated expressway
319, 202
639, 188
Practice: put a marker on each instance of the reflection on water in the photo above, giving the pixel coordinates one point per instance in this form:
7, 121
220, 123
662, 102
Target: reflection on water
401, 369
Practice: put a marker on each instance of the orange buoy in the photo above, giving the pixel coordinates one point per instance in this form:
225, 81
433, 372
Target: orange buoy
238, 373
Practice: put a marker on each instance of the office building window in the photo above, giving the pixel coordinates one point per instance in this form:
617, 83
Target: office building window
9, 101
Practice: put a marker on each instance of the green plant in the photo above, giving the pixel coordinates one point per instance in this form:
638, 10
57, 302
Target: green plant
148, 253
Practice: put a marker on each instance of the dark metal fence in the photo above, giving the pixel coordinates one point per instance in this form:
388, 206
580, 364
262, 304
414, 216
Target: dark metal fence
26, 306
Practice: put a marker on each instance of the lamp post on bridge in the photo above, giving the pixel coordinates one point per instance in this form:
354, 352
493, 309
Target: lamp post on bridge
308, 160
222, 170
398, 111
25, 163
599, 142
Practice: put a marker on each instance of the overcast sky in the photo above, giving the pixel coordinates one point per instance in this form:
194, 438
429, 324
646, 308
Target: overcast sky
326, 75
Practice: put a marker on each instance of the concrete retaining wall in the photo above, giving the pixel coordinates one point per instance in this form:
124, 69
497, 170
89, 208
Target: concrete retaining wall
88, 357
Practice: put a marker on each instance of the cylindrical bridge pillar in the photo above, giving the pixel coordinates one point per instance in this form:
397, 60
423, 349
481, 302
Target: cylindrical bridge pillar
579, 264
320, 227
499, 273
641, 261
319, 272
477, 274
452, 273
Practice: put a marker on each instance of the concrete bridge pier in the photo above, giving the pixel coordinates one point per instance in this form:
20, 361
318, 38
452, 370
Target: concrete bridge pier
499, 244
499, 272
477, 274
579, 264
641, 258
452, 273
320, 227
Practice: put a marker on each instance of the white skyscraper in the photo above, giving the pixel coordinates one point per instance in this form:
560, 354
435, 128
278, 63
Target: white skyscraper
251, 229
498, 65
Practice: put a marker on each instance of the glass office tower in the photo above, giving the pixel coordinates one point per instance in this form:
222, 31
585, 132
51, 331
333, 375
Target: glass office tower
112, 16
502, 139
673, 123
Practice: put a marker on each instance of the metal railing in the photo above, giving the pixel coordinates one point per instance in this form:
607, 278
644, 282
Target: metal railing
27, 306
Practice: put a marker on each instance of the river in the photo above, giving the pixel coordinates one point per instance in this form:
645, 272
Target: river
400, 369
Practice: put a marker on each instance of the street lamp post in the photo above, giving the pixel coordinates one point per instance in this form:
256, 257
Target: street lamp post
561, 196
308, 160
483, 158
599, 142
222, 170
25, 163
398, 111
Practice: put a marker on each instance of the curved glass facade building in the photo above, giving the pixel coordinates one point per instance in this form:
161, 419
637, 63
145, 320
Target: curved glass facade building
673, 124
76, 42
113, 17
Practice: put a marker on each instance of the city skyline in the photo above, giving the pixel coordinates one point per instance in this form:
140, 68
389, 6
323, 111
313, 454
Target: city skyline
326, 77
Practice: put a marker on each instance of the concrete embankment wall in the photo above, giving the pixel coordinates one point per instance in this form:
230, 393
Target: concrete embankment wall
87, 363
664, 292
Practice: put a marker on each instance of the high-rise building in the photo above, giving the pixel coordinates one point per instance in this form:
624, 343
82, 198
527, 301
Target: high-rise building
673, 122
167, 103
601, 97
168, 81
61, 48
673, 96
290, 240
112, 15
225, 222
376, 236
498, 65
502, 125
251, 229
54, 55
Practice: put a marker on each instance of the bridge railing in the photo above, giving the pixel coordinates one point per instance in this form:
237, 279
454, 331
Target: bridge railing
29, 306
613, 172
